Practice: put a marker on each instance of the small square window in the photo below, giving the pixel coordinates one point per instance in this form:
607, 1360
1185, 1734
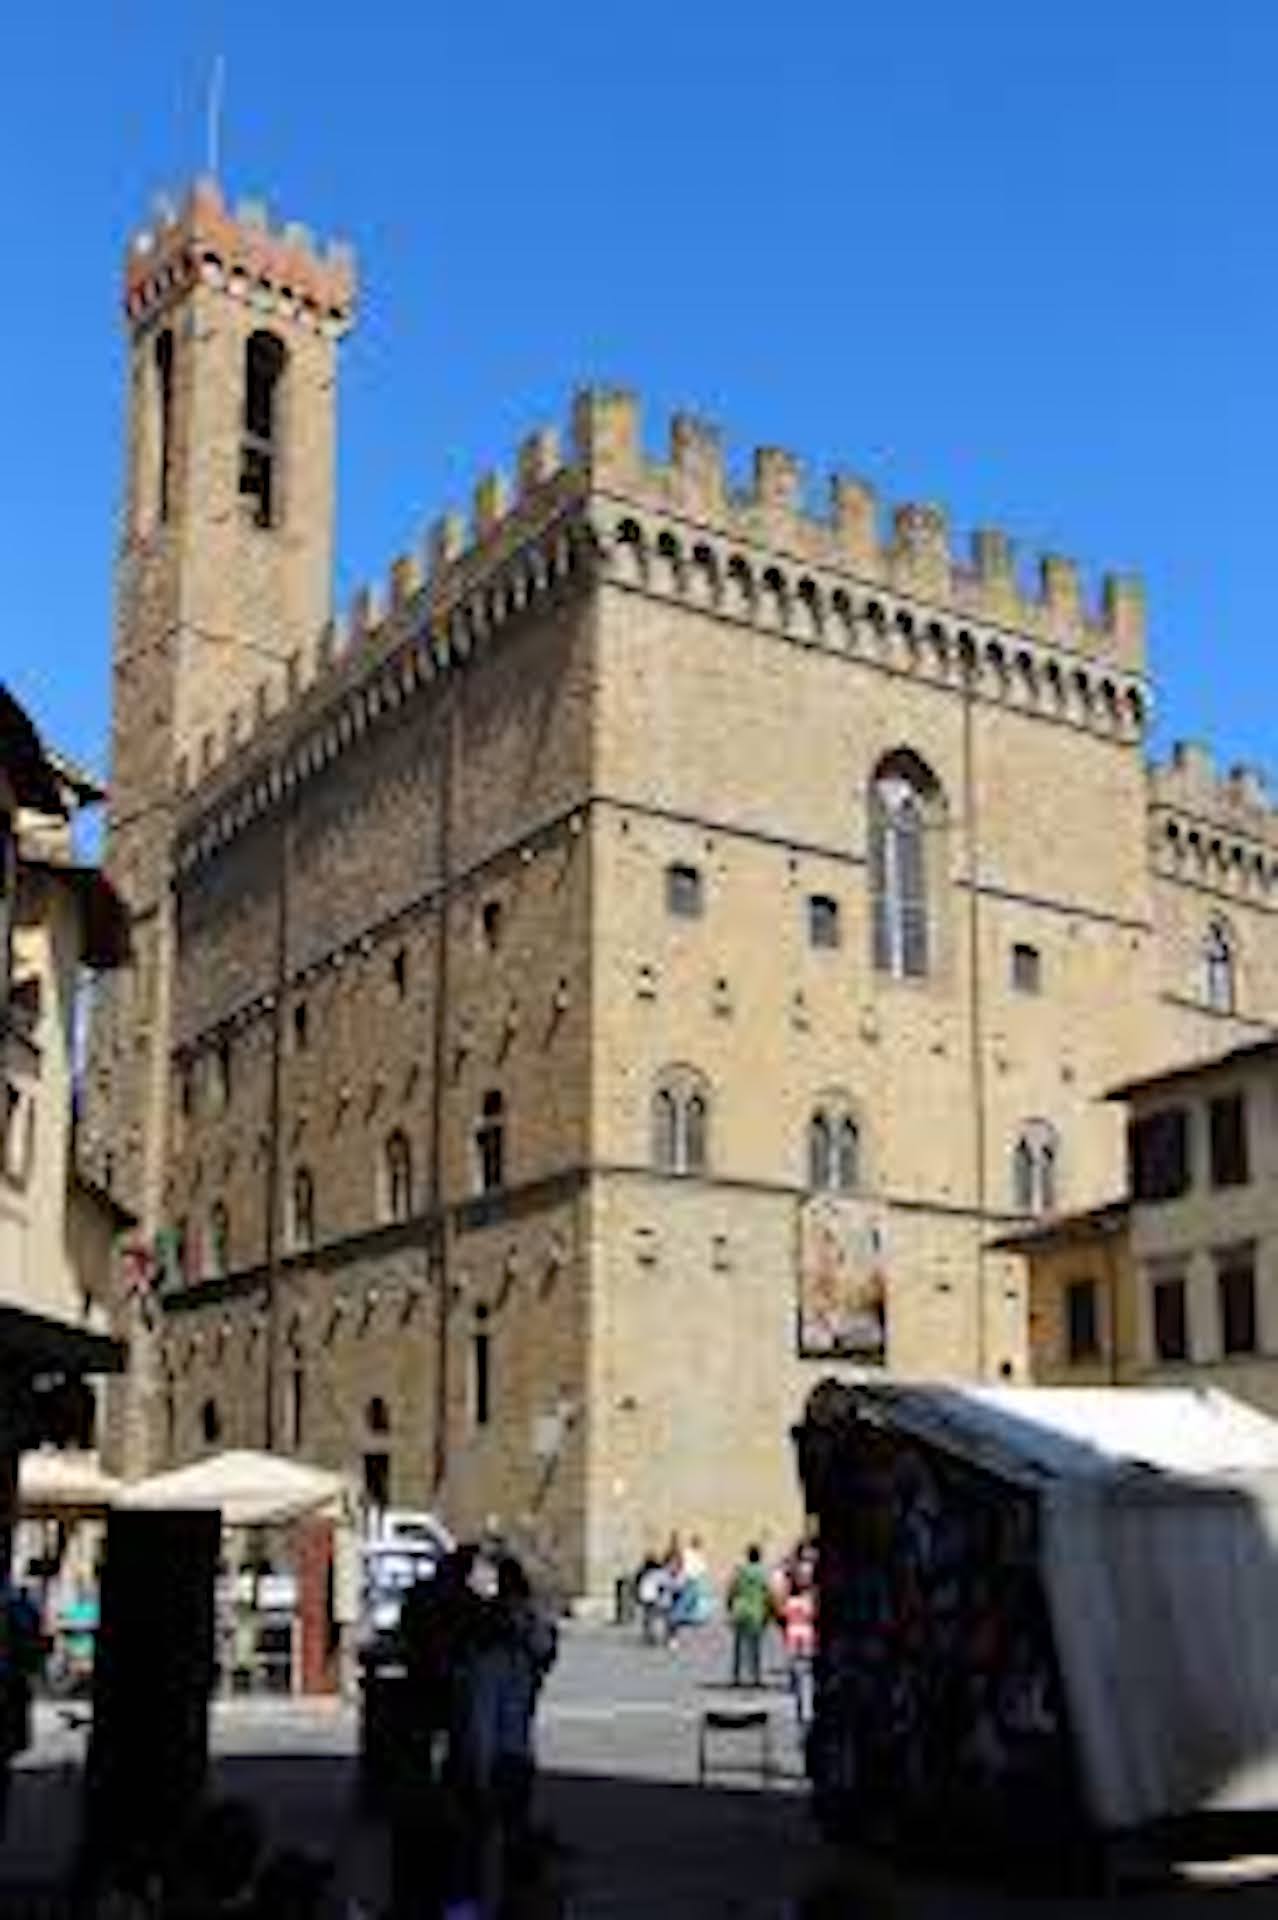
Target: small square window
684, 892
399, 972
1082, 1323
823, 920
1027, 968
490, 924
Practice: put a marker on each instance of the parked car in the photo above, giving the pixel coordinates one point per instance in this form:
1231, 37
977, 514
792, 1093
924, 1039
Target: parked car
404, 1548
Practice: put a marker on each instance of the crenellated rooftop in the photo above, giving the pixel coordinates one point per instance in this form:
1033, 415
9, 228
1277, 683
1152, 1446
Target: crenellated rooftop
675, 528
1205, 808
241, 250
907, 548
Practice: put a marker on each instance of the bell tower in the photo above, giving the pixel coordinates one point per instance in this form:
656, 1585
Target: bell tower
224, 577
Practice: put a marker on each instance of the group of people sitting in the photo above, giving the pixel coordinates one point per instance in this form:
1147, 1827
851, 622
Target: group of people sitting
673, 1591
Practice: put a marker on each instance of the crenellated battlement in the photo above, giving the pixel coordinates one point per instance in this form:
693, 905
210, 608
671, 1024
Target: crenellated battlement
239, 250
677, 527
908, 549
1205, 810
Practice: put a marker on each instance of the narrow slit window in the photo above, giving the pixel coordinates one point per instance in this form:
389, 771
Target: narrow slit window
482, 1374
164, 401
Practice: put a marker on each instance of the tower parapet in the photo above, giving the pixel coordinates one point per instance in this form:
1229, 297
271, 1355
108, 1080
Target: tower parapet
240, 250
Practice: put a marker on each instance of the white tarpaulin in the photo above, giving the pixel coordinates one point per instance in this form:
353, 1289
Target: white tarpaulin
248, 1489
1160, 1567
55, 1485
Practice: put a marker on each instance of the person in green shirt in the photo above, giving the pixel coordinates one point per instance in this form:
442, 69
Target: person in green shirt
749, 1604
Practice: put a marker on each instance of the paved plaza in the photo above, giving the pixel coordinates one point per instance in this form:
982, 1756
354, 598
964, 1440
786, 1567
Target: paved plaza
640, 1835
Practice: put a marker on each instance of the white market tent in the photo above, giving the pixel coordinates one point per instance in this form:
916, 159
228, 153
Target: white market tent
248, 1489
1159, 1560
60, 1485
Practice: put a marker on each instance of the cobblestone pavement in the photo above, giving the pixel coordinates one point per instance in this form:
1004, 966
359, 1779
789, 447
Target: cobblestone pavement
641, 1837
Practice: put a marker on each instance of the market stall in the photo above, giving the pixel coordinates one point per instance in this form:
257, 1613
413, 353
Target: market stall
275, 1626
1043, 1611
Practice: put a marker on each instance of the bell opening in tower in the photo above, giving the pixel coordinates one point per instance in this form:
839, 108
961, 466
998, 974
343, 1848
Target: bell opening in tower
264, 360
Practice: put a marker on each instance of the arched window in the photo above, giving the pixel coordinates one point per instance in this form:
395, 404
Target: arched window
377, 1415
211, 1423
218, 1248
264, 360
833, 1150
681, 1123
1218, 968
904, 804
490, 1143
398, 1174
303, 1222
1036, 1168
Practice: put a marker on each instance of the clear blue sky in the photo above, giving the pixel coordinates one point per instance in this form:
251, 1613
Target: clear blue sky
1016, 257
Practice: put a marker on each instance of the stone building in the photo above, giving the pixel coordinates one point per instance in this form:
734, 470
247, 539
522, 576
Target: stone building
641, 956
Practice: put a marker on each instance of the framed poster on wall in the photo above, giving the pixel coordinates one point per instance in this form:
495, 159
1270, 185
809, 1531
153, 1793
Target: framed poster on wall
842, 1266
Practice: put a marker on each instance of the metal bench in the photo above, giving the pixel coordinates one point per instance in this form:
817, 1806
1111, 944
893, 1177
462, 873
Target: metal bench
735, 1720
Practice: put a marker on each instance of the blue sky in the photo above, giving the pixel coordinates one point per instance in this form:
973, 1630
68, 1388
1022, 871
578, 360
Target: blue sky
1015, 257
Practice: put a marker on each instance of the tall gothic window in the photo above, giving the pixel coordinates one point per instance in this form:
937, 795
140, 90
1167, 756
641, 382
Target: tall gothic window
1218, 968
904, 803
264, 360
1036, 1168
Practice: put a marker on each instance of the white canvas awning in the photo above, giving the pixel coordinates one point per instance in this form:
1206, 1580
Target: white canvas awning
248, 1489
54, 1485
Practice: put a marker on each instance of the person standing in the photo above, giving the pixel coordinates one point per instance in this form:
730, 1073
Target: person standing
749, 1602
651, 1592
20, 1651
675, 1582
798, 1627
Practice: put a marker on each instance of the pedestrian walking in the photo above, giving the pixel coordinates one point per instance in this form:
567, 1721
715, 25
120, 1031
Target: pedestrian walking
748, 1607
798, 1627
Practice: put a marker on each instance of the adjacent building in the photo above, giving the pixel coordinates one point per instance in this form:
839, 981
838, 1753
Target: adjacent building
1178, 1282
58, 918
634, 961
